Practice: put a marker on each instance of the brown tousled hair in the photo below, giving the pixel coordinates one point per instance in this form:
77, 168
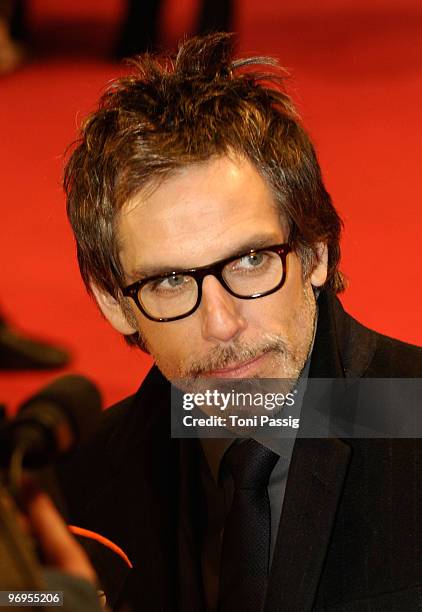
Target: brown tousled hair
175, 111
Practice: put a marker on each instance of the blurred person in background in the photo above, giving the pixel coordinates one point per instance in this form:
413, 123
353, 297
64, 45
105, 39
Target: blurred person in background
19, 351
141, 25
37, 551
12, 35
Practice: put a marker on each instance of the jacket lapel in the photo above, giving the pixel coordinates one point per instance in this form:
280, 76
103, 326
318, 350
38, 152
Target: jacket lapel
167, 561
191, 595
313, 490
317, 469
140, 489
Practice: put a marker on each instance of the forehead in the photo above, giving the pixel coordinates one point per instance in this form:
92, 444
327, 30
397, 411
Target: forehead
202, 213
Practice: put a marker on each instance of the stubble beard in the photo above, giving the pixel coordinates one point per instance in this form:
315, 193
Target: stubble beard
287, 360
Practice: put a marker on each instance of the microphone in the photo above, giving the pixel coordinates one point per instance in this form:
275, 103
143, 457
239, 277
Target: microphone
52, 422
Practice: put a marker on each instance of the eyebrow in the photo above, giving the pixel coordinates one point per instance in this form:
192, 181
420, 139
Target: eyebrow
257, 241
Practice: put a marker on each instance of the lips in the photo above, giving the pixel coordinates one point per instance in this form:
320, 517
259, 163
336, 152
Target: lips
239, 370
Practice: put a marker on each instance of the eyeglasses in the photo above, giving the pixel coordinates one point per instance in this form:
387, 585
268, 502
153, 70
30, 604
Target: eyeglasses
175, 295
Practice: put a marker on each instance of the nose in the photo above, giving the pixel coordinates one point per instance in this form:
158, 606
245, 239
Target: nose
221, 318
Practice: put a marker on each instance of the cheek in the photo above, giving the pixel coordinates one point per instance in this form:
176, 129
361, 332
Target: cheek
166, 343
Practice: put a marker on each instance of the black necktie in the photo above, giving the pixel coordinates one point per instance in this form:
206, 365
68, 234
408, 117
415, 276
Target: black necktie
247, 530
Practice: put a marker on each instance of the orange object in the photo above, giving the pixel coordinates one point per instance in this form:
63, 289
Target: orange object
86, 533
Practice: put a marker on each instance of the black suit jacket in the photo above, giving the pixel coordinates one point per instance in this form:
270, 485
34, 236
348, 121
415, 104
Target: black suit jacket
350, 536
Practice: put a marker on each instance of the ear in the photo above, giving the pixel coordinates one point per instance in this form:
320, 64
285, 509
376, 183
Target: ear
112, 310
319, 273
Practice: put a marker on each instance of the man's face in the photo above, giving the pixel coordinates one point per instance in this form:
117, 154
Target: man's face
203, 213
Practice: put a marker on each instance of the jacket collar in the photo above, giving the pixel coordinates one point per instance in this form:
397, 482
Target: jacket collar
343, 347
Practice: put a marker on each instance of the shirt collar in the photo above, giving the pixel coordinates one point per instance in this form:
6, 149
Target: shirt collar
215, 448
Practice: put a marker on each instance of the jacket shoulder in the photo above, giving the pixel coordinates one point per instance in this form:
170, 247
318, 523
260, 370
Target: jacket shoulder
80, 474
362, 351
399, 358
122, 427
395, 359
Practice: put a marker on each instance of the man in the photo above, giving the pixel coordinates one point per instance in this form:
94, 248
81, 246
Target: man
207, 238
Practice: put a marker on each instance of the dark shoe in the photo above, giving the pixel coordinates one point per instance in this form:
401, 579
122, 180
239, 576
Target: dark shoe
18, 352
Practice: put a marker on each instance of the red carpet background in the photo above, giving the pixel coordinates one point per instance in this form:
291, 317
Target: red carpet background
357, 78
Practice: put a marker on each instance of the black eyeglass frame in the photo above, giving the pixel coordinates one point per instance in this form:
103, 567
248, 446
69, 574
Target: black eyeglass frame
215, 269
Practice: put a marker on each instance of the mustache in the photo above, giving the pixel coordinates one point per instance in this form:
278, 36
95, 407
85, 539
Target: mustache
222, 357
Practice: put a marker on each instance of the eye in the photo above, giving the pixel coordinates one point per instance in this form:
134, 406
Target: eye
254, 260
175, 281
169, 284
251, 264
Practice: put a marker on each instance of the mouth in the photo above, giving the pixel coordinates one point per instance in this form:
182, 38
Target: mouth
238, 370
